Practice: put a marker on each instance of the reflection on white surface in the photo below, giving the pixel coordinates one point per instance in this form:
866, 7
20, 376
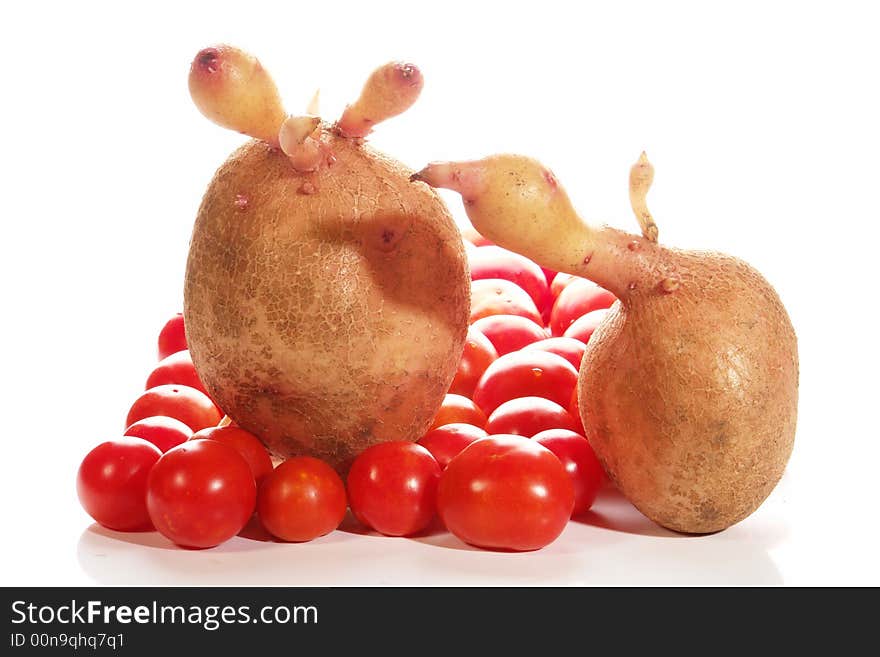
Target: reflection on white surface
611, 545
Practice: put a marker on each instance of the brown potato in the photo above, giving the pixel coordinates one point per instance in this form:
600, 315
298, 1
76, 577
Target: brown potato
688, 389
325, 311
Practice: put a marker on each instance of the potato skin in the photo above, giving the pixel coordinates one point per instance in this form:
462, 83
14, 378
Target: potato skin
690, 398
327, 311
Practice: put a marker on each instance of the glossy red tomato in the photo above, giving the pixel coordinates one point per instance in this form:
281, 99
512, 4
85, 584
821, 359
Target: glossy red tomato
172, 337
505, 492
245, 443
510, 332
495, 262
392, 487
458, 408
577, 298
571, 349
583, 327
192, 407
579, 461
163, 432
526, 373
498, 296
526, 416
302, 499
478, 354
447, 441
112, 483
201, 493
176, 368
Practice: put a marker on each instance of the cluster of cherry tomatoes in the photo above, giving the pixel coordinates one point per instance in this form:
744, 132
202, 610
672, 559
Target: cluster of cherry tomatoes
504, 464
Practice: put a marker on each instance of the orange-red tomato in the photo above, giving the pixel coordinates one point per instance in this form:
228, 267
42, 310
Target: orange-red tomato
498, 296
458, 408
577, 299
505, 492
192, 407
526, 373
201, 493
446, 442
163, 432
302, 499
510, 332
579, 461
172, 337
112, 483
245, 443
526, 416
176, 368
478, 354
392, 487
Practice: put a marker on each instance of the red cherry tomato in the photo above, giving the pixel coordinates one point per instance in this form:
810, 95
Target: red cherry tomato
172, 337
245, 443
302, 499
392, 487
505, 492
495, 262
571, 349
526, 373
470, 234
447, 441
201, 493
497, 296
578, 298
526, 416
478, 354
195, 409
458, 408
112, 483
163, 432
509, 332
579, 461
583, 327
176, 368
560, 282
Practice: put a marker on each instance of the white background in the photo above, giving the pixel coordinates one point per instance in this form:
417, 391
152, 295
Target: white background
761, 119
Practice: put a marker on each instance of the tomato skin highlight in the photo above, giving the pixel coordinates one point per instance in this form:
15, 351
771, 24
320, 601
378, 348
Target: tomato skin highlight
580, 462
447, 441
392, 488
201, 493
164, 432
505, 492
245, 443
111, 483
302, 499
526, 373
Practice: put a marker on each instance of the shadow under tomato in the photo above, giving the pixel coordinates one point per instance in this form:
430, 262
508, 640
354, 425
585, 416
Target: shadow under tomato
351, 525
